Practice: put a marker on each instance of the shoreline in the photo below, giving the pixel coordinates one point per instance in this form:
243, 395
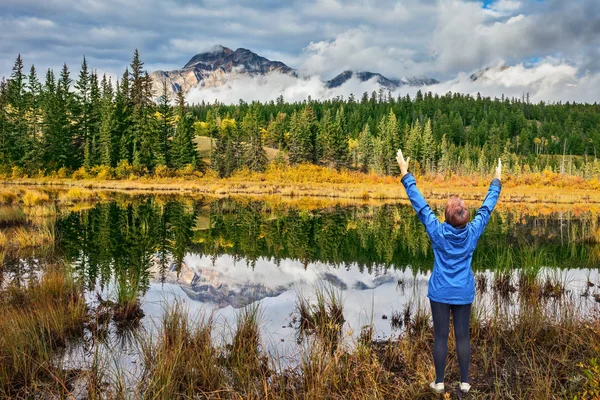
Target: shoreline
390, 191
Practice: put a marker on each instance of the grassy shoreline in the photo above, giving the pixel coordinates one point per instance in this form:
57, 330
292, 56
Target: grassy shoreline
525, 351
318, 182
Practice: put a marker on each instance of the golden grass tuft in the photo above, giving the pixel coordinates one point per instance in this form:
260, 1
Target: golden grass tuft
39, 236
77, 194
35, 198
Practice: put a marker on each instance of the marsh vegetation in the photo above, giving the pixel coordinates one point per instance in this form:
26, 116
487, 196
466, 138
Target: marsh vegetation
179, 297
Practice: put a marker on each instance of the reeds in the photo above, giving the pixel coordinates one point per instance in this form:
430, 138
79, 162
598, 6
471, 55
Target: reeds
36, 322
324, 317
182, 360
528, 351
77, 194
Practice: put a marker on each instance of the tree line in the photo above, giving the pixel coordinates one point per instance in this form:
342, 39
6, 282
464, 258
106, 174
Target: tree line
124, 127
91, 122
453, 132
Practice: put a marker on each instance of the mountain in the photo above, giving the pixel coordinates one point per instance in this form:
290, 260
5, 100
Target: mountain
483, 74
214, 68
391, 84
221, 65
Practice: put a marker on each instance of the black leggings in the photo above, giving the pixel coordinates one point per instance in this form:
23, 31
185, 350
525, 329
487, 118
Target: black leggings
441, 329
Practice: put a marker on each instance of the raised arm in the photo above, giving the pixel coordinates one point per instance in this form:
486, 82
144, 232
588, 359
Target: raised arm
424, 213
482, 217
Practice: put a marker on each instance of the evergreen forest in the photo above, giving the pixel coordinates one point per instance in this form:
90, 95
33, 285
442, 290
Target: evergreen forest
65, 125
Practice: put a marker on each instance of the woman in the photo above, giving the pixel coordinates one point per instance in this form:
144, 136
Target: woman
451, 285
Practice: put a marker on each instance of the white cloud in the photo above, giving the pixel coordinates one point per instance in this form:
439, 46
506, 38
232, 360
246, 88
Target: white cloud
269, 87
356, 50
549, 81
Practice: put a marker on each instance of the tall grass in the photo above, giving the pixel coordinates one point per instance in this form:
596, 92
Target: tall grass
182, 360
11, 215
527, 351
35, 198
36, 322
324, 317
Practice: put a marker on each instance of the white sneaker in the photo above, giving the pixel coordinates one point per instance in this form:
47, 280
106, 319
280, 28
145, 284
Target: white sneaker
437, 387
465, 387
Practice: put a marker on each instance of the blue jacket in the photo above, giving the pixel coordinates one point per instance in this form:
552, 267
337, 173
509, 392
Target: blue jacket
452, 280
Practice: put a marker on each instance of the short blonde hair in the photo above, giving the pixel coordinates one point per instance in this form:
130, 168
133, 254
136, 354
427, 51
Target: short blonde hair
457, 213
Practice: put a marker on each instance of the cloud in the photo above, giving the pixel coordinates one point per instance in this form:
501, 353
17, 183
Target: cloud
356, 50
438, 38
549, 81
269, 87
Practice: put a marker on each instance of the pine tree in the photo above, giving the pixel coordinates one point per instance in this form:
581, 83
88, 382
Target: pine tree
339, 141
165, 127
106, 151
4, 129
277, 129
142, 133
16, 122
256, 157
390, 142
225, 157
34, 151
365, 149
67, 155
380, 162
122, 122
95, 120
413, 142
302, 143
482, 162
444, 164
427, 147
183, 151
325, 139
83, 137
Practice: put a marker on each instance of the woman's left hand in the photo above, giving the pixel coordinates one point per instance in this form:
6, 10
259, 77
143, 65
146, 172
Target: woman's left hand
403, 164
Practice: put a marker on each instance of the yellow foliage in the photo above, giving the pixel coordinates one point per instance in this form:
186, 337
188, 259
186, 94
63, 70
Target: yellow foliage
81, 173
228, 123
162, 171
103, 172
18, 172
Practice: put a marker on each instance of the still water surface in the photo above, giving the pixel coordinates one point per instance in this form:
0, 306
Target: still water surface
217, 256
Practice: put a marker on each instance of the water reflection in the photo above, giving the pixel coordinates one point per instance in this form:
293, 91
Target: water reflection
228, 253
125, 241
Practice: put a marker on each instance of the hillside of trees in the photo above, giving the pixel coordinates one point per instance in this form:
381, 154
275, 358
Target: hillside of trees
91, 125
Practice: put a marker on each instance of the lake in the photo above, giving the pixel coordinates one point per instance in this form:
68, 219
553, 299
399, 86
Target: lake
217, 256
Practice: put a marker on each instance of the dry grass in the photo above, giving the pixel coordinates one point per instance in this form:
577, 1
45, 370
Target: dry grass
529, 351
77, 194
315, 181
34, 198
39, 236
35, 324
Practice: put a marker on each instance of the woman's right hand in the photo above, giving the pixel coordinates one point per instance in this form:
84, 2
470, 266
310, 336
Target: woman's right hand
499, 170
